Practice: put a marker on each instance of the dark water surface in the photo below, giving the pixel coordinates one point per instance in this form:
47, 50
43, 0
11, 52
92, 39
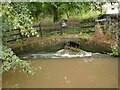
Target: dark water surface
66, 73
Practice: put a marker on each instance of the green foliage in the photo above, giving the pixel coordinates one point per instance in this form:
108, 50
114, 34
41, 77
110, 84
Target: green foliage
30, 31
65, 10
114, 50
11, 61
57, 9
15, 15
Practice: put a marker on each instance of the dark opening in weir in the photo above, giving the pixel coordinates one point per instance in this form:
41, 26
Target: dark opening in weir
72, 46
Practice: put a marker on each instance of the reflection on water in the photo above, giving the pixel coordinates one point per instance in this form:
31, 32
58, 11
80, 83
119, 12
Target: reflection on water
67, 73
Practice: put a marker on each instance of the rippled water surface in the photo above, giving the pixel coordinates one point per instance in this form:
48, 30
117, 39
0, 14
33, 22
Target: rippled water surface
89, 72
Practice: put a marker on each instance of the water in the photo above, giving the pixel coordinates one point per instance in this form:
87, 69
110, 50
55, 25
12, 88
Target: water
86, 72
0, 81
63, 53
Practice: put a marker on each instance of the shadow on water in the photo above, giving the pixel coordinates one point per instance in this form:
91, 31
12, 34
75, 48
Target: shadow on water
59, 70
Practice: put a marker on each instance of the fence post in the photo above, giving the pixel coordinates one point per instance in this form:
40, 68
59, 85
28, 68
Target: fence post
61, 27
61, 31
20, 33
41, 34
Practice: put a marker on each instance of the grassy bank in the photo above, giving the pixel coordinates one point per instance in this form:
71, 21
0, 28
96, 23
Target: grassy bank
72, 17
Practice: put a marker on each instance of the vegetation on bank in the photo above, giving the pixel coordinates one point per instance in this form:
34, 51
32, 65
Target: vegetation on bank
24, 14
115, 51
14, 15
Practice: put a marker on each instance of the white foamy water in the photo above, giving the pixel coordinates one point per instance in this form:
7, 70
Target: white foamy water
69, 54
66, 54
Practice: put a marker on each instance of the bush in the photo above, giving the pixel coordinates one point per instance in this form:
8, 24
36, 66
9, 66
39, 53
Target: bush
114, 50
11, 61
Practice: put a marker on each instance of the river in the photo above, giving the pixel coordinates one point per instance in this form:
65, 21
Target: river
63, 70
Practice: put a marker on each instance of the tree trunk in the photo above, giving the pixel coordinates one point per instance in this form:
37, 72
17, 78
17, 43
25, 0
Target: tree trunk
55, 14
67, 14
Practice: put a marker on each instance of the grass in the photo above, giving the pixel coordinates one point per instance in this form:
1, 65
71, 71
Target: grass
81, 17
44, 20
72, 17
84, 35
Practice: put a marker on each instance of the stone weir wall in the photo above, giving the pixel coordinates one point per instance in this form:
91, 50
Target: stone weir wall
34, 45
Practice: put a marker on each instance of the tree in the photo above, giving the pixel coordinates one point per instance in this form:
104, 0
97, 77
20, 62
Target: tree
56, 9
14, 15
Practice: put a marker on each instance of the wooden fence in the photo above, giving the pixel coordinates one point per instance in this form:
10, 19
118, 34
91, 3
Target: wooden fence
48, 29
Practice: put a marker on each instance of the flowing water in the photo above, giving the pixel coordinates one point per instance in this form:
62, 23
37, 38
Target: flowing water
57, 72
63, 53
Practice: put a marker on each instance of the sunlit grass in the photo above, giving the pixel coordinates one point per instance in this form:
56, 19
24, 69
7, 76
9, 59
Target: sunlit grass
48, 19
44, 20
72, 17
81, 17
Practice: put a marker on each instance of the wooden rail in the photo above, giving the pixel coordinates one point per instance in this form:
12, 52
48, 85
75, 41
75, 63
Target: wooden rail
47, 29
